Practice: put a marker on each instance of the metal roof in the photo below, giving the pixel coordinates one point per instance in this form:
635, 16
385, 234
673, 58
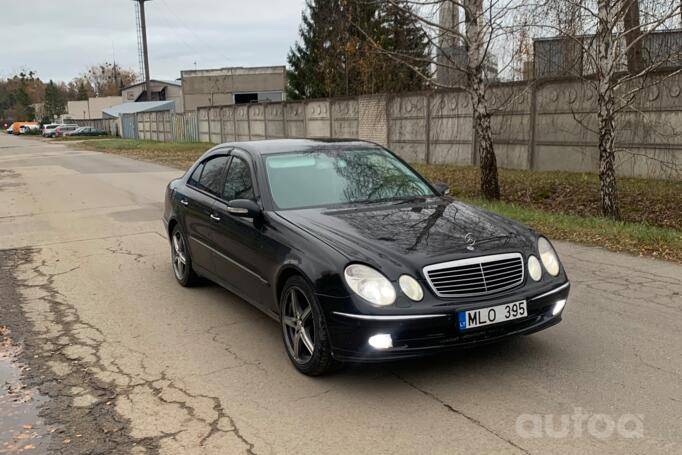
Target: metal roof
159, 81
134, 108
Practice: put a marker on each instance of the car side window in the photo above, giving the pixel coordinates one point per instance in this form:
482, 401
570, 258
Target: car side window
238, 184
212, 176
196, 175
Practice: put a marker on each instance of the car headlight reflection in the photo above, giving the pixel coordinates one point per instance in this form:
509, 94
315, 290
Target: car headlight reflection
411, 288
370, 284
548, 256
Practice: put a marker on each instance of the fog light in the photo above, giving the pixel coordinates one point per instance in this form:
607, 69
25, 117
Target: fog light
381, 341
558, 307
534, 269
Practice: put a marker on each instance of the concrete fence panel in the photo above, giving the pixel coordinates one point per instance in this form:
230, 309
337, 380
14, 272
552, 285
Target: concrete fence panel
565, 127
256, 121
407, 127
294, 113
143, 126
154, 118
345, 118
203, 125
450, 128
242, 124
318, 120
373, 119
275, 123
511, 125
227, 121
215, 125
168, 126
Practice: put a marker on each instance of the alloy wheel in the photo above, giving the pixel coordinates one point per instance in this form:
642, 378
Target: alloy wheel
179, 256
298, 325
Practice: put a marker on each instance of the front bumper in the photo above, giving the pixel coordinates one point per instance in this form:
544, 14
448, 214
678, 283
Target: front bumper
420, 335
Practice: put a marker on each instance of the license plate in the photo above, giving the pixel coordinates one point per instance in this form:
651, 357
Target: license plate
492, 315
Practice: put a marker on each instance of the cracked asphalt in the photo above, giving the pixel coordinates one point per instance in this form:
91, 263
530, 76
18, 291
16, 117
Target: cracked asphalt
133, 363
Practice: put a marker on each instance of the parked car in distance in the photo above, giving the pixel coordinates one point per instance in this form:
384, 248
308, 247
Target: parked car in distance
16, 126
29, 128
86, 131
356, 255
61, 130
49, 127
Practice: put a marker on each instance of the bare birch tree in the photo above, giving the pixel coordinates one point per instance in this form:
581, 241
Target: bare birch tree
463, 34
615, 64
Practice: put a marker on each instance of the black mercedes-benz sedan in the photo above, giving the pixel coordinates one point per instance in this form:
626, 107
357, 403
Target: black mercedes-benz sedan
357, 256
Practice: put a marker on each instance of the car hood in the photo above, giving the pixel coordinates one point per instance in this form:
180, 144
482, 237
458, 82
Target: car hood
400, 237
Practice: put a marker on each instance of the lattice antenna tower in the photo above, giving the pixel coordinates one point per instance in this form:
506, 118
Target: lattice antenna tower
140, 47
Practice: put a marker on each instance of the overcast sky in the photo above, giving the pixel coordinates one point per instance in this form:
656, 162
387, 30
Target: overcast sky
60, 39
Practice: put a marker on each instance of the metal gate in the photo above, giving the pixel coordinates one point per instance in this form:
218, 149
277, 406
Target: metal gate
129, 126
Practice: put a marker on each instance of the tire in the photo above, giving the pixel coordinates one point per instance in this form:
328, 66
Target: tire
181, 262
309, 327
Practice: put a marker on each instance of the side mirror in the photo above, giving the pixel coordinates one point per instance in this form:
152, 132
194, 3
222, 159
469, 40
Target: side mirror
442, 188
244, 208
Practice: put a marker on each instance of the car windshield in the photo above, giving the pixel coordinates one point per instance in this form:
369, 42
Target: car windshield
324, 178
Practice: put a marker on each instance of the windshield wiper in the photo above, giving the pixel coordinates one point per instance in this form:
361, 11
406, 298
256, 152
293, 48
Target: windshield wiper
359, 205
410, 200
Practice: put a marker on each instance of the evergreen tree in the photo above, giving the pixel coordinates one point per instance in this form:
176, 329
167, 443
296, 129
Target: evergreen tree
55, 103
337, 52
309, 59
406, 37
22, 109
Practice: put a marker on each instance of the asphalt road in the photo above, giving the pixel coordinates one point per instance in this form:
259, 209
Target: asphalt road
135, 363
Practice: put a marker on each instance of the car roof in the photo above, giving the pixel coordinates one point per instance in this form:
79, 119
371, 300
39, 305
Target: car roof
272, 146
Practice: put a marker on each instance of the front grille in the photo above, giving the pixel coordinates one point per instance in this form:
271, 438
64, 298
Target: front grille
476, 276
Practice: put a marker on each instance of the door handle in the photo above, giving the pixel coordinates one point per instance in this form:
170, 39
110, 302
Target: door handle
215, 217
184, 202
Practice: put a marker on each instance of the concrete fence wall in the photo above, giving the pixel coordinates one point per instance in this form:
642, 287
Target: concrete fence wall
548, 126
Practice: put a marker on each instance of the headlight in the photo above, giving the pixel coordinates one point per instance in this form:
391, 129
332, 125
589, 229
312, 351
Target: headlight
411, 288
548, 256
534, 268
370, 284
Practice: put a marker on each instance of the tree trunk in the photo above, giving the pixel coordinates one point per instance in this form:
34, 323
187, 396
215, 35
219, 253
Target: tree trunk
490, 187
633, 33
607, 56
476, 44
607, 155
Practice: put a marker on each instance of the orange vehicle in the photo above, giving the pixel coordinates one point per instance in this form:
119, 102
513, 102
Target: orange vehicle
16, 125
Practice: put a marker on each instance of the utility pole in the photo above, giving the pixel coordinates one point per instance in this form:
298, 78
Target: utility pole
143, 33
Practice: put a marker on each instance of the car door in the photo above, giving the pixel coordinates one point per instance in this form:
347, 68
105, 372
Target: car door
201, 191
239, 241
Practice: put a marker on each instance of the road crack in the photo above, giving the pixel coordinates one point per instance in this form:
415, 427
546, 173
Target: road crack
55, 338
450, 408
